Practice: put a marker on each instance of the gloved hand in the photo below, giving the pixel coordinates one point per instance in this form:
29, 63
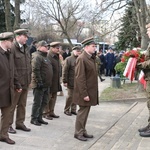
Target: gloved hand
139, 66
39, 85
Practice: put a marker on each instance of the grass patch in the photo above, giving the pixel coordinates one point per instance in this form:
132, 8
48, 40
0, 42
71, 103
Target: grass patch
127, 91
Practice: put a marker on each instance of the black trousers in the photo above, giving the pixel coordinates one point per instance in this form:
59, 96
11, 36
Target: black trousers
41, 98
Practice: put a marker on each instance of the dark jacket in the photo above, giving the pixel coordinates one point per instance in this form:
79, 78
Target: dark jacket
22, 64
54, 58
6, 78
146, 65
41, 70
68, 71
85, 81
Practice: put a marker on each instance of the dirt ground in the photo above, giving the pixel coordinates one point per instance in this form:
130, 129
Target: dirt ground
127, 91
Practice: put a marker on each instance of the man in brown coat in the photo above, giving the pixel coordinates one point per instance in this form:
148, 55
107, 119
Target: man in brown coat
68, 80
23, 69
6, 84
53, 55
85, 87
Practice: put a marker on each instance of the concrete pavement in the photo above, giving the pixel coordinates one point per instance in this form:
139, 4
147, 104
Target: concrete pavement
113, 124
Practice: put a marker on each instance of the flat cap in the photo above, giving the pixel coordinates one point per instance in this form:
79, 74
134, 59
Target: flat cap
77, 48
21, 32
148, 25
42, 43
88, 41
6, 36
53, 44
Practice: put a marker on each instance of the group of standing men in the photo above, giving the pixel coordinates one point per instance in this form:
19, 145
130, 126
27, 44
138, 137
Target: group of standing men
18, 71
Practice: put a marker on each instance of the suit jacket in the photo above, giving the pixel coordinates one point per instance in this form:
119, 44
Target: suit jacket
85, 81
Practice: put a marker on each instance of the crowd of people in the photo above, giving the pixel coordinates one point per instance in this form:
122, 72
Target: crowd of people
42, 68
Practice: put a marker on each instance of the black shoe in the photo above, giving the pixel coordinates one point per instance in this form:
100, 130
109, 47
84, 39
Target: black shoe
145, 134
80, 137
54, 116
68, 113
11, 130
23, 128
102, 80
74, 113
144, 129
87, 135
42, 122
35, 122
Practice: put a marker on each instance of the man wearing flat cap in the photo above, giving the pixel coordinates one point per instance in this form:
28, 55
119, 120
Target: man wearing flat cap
23, 71
53, 55
68, 80
42, 73
85, 87
7, 84
145, 66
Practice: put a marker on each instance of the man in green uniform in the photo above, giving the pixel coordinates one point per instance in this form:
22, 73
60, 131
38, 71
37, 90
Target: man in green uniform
85, 87
145, 66
68, 80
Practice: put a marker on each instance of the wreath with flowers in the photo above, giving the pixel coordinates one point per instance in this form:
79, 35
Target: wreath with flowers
135, 53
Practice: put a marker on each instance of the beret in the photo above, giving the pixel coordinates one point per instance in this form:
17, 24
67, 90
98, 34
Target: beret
88, 41
53, 44
6, 35
21, 32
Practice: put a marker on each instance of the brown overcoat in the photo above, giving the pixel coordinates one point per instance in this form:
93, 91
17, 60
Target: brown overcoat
6, 78
54, 58
22, 64
68, 71
85, 81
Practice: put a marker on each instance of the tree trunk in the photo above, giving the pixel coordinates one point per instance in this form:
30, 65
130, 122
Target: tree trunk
17, 14
8, 16
141, 15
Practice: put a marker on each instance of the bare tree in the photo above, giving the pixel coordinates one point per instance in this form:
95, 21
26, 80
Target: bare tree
8, 15
65, 14
17, 14
141, 11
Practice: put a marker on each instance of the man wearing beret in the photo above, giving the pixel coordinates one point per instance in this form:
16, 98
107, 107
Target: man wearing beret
6, 84
68, 80
42, 73
145, 66
23, 71
53, 55
85, 87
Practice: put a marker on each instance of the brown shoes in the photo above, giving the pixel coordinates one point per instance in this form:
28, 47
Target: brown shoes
48, 117
73, 112
80, 137
68, 113
54, 116
23, 128
87, 135
7, 140
11, 130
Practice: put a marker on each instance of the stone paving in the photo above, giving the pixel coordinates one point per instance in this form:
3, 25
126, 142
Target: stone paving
113, 124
